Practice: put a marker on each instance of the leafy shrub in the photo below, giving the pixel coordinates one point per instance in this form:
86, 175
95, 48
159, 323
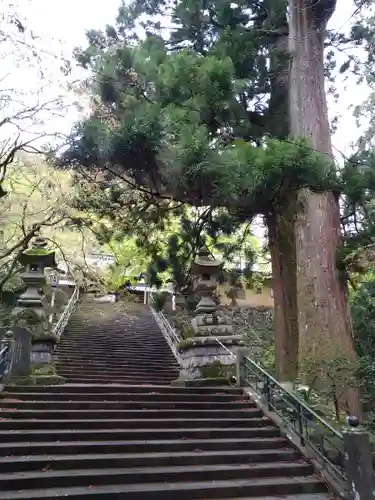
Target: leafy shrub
159, 301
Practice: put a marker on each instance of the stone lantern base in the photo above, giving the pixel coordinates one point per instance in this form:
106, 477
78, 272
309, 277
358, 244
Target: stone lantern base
203, 358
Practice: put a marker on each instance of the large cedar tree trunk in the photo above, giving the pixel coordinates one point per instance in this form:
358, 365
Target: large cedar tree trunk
283, 253
323, 320
279, 223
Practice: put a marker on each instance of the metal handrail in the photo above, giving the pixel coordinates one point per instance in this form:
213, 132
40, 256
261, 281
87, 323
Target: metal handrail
311, 428
4, 362
225, 348
64, 318
281, 388
170, 335
295, 414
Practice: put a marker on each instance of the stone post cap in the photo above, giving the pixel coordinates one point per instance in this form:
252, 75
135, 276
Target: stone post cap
355, 430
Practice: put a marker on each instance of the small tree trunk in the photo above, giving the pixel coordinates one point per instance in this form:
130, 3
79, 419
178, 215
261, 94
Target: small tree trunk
283, 256
324, 321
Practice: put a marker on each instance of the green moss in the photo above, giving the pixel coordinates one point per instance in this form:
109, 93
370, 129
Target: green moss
38, 251
217, 370
188, 333
43, 369
30, 316
185, 344
208, 382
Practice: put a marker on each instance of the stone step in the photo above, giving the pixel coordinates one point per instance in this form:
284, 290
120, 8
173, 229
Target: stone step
99, 363
123, 339
139, 327
139, 446
149, 332
94, 328
183, 491
147, 328
150, 374
110, 366
126, 388
89, 380
122, 460
303, 496
82, 378
108, 363
154, 338
162, 369
123, 358
128, 414
108, 337
124, 396
102, 373
115, 364
117, 353
156, 358
115, 341
117, 350
114, 434
126, 380
172, 474
66, 424
150, 404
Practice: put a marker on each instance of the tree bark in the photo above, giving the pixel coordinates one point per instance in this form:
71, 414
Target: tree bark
280, 221
324, 321
283, 257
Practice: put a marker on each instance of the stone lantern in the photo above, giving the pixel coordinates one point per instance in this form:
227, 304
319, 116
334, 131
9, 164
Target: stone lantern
34, 261
32, 310
205, 271
208, 320
207, 354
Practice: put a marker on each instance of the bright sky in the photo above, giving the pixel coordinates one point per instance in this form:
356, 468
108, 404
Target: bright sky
68, 21
62, 26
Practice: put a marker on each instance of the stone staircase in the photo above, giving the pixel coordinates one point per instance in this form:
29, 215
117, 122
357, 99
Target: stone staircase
106, 343
118, 429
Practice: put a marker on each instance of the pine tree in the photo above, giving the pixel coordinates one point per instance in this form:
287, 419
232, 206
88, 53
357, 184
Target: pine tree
201, 116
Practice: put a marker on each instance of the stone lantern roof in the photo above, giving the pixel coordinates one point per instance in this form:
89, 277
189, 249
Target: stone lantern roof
205, 263
38, 255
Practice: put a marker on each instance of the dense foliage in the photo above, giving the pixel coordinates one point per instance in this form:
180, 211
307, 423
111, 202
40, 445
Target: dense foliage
196, 115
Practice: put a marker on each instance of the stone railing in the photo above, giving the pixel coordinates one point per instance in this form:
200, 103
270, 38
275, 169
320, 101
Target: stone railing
64, 318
